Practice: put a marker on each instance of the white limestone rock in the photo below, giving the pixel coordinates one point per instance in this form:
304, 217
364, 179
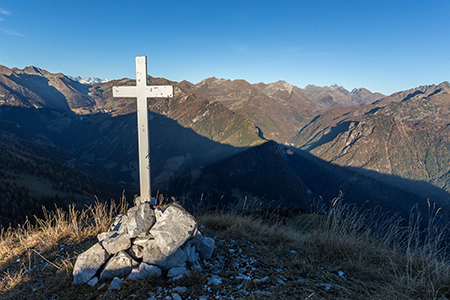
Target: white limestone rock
88, 263
116, 284
93, 281
158, 213
175, 296
177, 271
140, 219
216, 280
141, 240
173, 228
136, 252
139, 200
145, 270
205, 246
120, 224
152, 255
105, 235
120, 265
116, 243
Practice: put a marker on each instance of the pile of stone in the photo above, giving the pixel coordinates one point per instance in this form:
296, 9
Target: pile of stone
147, 241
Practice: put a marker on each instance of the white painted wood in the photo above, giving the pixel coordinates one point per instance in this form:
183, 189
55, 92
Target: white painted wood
141, 91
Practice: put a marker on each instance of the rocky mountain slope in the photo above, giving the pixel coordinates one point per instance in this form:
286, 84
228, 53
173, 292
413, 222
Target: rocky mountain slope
405, 134
280, 109
337, 96
36, 88
190, 109
277, 120
256, 256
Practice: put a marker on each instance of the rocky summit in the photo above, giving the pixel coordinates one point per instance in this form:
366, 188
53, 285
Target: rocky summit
147, 241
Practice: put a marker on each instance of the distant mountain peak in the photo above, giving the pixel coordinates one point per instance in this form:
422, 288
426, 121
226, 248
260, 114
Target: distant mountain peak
212, 80
282, 86
33, 70
89, 80
35, 87
445, 85
338, 88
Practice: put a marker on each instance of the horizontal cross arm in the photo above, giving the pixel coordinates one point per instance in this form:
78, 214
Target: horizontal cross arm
159, 91
124, 91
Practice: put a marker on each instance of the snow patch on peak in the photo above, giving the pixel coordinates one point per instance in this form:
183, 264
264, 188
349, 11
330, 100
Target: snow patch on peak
89, 80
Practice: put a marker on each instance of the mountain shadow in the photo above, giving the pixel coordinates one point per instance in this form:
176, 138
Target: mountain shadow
35, 174
256, 179
276, 176
42, 121
328, 137
193, 167
368, 189
107, 146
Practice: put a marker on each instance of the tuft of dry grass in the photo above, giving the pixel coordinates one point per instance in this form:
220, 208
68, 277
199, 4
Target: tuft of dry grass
58, 225
29, 242
11, 279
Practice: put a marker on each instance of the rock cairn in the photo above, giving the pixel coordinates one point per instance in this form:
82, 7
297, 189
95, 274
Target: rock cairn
147, 241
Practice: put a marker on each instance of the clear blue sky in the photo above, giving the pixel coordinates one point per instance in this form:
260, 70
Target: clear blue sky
385, 46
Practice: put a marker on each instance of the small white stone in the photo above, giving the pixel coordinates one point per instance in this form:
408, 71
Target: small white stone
216, 280
116, 284
263, 293
327, 286
262, 279
101, 286
175, 296
180, 289
176, 271
93, 281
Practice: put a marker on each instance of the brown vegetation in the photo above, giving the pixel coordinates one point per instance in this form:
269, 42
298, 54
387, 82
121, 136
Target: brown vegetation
346, 254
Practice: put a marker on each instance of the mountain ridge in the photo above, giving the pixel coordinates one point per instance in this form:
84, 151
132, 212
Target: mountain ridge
405, 134
35, 87
280, 109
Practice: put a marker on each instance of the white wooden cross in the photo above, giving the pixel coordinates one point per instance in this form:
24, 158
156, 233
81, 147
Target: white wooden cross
141, 91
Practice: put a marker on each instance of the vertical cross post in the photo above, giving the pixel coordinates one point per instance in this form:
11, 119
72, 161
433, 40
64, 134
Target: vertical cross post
141, 91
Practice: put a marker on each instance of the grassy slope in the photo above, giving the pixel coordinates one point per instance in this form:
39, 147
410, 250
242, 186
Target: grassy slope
305, 257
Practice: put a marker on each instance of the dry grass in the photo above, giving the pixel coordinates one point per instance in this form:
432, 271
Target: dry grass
379, 257
29, 243
389, 260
